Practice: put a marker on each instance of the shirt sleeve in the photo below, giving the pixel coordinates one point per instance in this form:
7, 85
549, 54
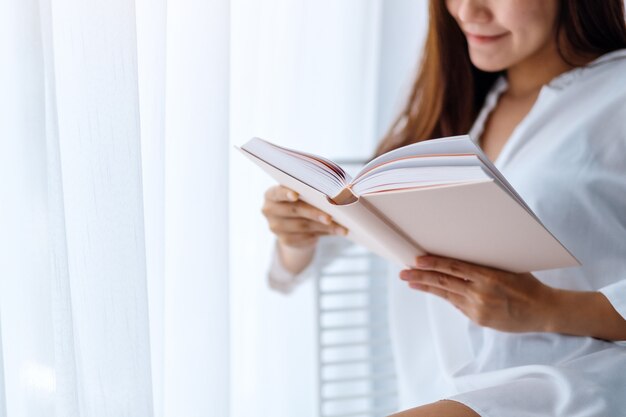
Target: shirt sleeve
616, 293
282, 280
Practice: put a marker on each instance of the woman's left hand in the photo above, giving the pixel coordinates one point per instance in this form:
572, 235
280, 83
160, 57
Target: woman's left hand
490, 297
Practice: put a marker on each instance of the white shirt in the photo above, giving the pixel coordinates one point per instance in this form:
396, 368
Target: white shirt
567, 159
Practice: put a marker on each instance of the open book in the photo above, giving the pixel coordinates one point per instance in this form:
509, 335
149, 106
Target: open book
442, 197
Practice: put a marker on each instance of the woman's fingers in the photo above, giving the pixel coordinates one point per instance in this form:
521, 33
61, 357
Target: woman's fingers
437, 280
454, 267
490, 297
288, 215
296, 209
279, 193
458, 300
280, 225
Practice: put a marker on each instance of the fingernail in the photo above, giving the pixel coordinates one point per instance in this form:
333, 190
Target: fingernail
341, 231
424, 262
292, 196
404, 274
325, 219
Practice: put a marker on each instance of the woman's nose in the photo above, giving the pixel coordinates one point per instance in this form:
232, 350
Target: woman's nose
473, 11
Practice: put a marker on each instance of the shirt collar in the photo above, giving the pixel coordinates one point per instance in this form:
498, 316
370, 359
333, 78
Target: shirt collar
563, 80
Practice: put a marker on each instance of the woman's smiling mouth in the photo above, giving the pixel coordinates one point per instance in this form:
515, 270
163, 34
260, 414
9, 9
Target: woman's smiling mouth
483, 39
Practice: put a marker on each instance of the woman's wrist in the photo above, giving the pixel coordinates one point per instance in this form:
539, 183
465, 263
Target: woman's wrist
583, 313
295, 259
559, 311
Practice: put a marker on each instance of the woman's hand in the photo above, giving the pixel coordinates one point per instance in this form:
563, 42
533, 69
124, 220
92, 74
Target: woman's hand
296, 223
490, 297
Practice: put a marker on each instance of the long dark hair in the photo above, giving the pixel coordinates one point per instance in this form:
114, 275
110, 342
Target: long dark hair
449, 90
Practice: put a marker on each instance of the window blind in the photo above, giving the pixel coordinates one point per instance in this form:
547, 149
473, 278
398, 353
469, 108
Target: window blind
356, 376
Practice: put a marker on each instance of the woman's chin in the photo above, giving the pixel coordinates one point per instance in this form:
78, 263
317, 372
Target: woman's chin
489, 65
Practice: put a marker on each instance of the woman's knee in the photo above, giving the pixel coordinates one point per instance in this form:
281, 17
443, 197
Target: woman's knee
443, 408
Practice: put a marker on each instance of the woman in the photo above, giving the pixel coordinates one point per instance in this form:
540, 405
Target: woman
541, 85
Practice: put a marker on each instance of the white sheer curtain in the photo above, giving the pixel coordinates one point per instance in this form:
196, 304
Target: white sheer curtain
132, 250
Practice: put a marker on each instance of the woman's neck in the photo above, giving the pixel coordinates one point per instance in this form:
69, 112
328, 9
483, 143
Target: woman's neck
527, 77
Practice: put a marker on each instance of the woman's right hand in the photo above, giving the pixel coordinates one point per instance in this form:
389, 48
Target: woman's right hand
296, 223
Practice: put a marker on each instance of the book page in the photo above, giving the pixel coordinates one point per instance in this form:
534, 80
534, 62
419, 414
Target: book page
444, 146
408, 177
450, 146
315, 171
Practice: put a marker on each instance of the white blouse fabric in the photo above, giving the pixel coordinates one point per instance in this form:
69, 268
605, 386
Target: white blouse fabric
567, 159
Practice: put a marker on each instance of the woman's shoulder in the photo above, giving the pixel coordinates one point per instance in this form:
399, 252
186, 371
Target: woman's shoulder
581, 116
591, 98
605, 76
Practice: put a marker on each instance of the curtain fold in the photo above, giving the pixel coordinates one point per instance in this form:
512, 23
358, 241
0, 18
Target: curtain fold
196, 350
95, 100
25, 298
151, 58
73, 288
66, 383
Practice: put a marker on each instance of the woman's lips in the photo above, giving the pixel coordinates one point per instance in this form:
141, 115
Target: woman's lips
483, 39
